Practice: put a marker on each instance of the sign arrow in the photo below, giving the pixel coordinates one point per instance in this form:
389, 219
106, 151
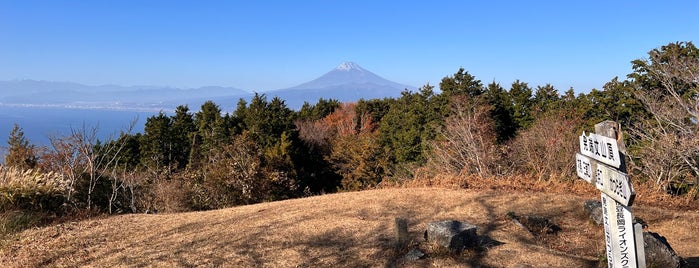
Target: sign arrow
615, 184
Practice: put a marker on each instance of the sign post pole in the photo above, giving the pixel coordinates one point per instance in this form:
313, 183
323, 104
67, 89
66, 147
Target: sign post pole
601, 162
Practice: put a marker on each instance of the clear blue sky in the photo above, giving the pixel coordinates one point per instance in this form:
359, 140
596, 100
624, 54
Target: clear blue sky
264, 45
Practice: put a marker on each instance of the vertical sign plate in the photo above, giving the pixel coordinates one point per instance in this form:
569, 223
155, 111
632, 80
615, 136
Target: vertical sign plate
608, 214
625, 242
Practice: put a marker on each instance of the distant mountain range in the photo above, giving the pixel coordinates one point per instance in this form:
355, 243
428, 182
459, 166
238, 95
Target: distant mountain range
73, 95
348, 82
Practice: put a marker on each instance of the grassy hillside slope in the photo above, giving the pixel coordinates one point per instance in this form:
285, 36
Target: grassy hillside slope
340, 230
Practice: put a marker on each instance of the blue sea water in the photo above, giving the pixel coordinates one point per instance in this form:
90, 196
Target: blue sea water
39, 124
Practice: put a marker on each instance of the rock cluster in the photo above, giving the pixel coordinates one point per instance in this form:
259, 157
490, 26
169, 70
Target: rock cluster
456, 236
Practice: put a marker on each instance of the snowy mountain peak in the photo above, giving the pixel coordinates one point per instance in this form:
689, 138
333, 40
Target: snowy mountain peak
348, 65
348, 82
349, 74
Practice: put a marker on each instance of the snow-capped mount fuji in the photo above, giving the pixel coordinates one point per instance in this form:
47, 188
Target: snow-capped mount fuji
349, 73
348, 82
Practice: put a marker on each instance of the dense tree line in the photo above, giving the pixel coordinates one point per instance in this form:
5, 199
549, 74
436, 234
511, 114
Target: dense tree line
264, 151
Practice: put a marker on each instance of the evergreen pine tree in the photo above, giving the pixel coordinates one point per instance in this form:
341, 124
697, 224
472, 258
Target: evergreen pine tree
546, 98
183, 130
462, 83
501, 112
522, 102
20, 153
156, 143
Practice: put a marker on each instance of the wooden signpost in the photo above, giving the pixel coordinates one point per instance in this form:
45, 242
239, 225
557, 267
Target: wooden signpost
601, 162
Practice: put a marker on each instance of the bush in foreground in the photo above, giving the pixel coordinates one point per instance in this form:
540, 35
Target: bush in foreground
30, 190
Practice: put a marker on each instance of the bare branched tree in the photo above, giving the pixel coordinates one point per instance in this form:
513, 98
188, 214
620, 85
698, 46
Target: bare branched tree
123, 180
107, 158
667, 85
63, 158
79, 154
468, 142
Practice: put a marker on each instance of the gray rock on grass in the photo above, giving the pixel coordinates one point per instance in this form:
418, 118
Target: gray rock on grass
453, 235
659, 253
414, 255
594, 210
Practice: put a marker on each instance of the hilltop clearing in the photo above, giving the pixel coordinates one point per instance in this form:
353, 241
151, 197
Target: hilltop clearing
340, 230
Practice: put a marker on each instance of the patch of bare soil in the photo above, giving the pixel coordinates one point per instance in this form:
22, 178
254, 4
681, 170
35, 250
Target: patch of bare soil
341, 230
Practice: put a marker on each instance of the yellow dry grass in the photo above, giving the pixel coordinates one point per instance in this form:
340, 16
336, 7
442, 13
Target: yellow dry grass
339, 230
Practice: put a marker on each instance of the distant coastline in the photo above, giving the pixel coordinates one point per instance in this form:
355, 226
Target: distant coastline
90, 106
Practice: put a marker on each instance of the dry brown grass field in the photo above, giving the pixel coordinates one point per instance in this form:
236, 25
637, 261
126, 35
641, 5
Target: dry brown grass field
345, 230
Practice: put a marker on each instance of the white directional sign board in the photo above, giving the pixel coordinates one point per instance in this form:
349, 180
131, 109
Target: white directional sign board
583, 166
615, 184
600, 148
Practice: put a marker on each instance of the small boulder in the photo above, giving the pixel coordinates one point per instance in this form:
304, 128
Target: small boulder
594, 210
414, 255
453, 235
535, 225
659, 253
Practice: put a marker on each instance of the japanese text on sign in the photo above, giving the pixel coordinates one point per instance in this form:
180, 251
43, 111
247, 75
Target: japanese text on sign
606, 207
583, 167
615, 184
624, 246
601, 148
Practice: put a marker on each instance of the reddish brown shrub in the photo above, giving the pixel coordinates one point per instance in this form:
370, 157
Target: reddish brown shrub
547, 149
